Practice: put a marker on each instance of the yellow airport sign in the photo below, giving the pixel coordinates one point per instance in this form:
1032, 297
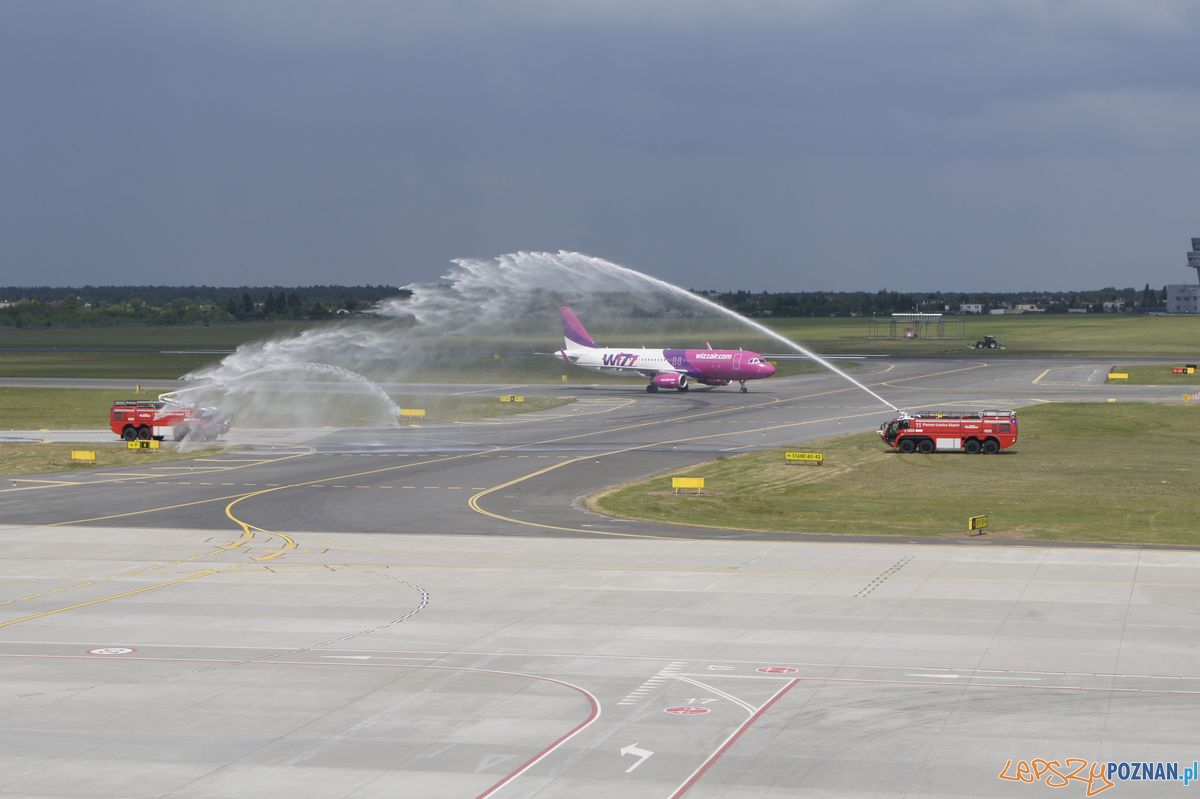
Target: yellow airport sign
1118, 375
511, 398
976, 522
142, 444
804, 457
412, 413
696, 483
83, 456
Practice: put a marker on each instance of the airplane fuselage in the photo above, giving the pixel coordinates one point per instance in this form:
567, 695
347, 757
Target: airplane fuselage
665, 368
712, 367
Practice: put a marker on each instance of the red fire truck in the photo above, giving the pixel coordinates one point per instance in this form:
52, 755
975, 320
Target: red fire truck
966, 431
137, 419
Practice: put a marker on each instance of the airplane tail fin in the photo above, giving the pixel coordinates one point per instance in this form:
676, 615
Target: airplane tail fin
573, 333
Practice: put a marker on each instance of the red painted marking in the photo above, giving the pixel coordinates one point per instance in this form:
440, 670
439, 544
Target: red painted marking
775, 670
686, 710
593, 714
731, 740
531, 762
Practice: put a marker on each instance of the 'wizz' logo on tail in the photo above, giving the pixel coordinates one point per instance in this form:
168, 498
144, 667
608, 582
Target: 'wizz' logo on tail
619, 359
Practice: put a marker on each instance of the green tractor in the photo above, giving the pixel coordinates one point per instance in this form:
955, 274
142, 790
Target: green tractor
986, 343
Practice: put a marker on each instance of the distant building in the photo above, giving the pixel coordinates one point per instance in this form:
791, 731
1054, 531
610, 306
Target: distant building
1029, 307
1185, 298
1114, 306
970, 307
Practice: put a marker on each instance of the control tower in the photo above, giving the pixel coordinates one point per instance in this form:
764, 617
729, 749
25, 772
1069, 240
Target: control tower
1185, 298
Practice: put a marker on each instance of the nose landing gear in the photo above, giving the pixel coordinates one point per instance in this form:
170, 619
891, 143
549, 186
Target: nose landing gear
744, 389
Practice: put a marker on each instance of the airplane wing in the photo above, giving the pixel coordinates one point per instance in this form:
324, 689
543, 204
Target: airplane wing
643, 371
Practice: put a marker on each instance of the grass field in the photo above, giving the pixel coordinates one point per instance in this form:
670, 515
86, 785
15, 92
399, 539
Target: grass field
138, 353
1102, 473
25, 459
1026, 334
62, 408
1155, 376
87, 409
147, 353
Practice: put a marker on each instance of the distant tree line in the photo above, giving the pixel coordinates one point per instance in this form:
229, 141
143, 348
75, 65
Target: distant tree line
883, 303
94, 306
98, 306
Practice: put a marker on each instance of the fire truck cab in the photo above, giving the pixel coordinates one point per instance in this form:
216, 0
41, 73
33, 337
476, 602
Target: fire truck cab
138, 419
965, 431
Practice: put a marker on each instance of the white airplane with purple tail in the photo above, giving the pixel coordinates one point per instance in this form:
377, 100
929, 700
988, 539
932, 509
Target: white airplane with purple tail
665, 368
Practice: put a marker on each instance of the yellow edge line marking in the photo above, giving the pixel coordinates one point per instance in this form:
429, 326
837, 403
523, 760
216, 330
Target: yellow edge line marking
473, 502
196, 576
891, 383
137, 512
52, 482
308, 451
1038, 379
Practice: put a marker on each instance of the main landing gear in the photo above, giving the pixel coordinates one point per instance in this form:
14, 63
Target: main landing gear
650, 389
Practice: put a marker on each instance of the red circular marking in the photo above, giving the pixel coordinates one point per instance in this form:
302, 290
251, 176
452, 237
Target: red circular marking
686, 710
775, 670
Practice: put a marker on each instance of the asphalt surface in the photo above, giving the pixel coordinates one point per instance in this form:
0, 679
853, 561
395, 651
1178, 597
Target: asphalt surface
431, 611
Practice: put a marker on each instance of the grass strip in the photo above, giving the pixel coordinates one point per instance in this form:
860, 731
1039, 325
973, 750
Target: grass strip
87, 409
1157, 375
36, 458
1105, 473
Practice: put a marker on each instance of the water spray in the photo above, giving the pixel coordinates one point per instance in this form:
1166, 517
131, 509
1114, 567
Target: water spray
475, 298
490, 292
751, 323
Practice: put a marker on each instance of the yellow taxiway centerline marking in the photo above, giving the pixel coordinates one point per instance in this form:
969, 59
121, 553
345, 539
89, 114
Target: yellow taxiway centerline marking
36, 616
473, 502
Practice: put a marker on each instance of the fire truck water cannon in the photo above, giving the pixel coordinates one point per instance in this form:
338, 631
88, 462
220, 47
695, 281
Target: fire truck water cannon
963, 431
142, 420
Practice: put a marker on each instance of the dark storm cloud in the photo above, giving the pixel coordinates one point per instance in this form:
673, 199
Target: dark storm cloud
807, 145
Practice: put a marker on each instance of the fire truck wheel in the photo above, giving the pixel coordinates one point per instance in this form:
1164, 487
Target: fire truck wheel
925, 447
129, 433
991, 446
144, 433
971, 446
907, 446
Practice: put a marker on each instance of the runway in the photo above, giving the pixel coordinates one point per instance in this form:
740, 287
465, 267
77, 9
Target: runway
431, 611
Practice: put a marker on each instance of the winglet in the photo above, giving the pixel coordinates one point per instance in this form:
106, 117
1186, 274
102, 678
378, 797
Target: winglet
573, 331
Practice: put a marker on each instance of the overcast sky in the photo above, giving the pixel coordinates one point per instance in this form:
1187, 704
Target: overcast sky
831, 144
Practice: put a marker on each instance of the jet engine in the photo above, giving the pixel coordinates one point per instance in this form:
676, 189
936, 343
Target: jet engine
671, 380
